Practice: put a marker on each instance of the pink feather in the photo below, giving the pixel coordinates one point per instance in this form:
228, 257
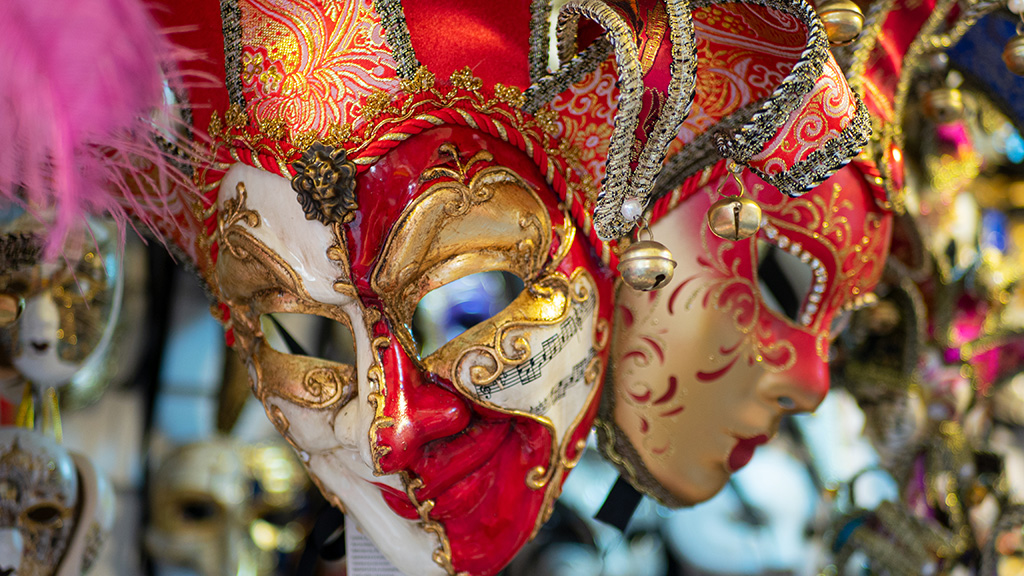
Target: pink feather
79, 83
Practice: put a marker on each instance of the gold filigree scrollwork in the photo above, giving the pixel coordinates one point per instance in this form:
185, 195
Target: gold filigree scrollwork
378, 390
232, 212
538, 478
278, 419
322, 384
442, 555
566, 236
602, 333
554, 296
461, 173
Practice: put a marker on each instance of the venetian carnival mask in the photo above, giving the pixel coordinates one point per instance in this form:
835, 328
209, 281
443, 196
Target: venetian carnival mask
221, 507
68, 310
497, 414
741, 336
54, 510
876, 359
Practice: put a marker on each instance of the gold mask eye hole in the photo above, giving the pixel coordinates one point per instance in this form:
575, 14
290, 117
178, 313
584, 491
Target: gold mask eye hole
309, 335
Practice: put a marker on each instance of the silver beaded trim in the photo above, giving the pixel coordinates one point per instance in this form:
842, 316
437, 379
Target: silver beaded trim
620, 183
396, 34
701, 152
231, 26
826, 160
627, 118
751, 139
540, 19
546, 88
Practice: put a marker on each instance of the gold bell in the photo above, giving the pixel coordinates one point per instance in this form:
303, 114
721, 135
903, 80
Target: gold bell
843, 21
734, 218
11, 307
647, 265
1013, 55
943, 105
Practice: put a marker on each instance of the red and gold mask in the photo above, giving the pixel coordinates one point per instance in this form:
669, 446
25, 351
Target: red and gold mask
407, 438
740, 337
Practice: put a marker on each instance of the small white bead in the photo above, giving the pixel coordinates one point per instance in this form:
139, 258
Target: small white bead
632, 209
1016, 6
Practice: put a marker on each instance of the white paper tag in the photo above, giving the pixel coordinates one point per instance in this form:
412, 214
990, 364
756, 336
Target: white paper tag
362, 557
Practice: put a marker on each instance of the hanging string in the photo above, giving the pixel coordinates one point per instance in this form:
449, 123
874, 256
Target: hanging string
51, 415
26, 410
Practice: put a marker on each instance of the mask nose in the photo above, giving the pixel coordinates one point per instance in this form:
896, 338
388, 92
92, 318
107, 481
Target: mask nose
801, 388
12, 546
417, 410
40, 320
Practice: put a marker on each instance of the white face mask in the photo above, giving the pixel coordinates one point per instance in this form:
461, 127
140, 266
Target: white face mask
225, 508
38, 501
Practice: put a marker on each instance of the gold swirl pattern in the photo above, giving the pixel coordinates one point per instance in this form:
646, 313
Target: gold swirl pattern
309, 65
547, 302
233, 212
378, 390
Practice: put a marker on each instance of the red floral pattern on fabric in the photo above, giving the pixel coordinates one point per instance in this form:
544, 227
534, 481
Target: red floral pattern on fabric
743, 53
586, 115
824, 113
310, 64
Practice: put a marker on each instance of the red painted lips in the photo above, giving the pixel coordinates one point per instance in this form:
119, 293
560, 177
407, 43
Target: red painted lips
744, 451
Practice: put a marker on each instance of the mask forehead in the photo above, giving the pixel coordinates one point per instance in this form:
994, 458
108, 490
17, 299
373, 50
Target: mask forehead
266, 209
461, 225
390, 186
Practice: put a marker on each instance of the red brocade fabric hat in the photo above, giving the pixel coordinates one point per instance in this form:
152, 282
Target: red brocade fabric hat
341, 73
363, 154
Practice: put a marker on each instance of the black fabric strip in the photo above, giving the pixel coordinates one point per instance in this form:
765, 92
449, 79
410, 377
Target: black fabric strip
619, 506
